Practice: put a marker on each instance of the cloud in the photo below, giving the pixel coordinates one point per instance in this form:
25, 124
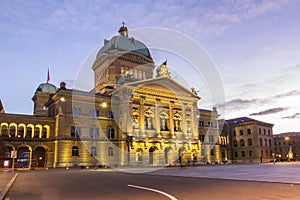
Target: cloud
238, 104
288, 94
269, 111
295, 116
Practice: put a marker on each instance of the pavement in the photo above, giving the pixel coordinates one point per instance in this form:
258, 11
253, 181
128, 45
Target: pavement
6, 180
275, 173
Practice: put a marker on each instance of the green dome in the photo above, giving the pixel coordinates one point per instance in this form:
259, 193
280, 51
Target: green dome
47, 88
127, 44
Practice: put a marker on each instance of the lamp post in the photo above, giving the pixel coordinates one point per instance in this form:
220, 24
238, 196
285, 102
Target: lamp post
129, 144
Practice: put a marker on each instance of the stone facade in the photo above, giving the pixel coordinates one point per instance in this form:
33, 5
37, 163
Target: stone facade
251, 141
130, 118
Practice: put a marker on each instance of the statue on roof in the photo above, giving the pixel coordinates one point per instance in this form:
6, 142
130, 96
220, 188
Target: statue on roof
162, 70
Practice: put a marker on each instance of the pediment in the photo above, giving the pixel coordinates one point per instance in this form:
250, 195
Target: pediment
162, 85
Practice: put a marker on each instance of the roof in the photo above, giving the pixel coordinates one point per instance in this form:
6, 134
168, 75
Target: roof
1, 107
123, 42
243, 120
289, 134
47, 88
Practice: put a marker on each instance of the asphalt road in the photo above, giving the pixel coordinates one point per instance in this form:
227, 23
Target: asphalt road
88, 184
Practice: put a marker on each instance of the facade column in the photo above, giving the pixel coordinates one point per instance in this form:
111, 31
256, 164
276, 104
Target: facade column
171, 119
184, 124
157, 119
194, 123
142, 110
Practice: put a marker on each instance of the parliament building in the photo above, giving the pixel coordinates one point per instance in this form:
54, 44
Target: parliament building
136, 115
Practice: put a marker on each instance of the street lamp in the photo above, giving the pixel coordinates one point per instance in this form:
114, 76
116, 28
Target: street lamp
129, 140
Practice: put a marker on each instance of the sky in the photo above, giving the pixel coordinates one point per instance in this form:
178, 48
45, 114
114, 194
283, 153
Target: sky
255, 46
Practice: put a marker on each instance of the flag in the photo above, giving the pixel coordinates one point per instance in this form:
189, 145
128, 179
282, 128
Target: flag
48, 76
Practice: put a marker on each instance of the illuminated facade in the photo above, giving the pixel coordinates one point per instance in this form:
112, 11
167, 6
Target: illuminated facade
287, 146
250, 140
129, 118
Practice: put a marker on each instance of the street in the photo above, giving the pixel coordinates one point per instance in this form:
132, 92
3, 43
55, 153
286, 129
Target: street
109, 184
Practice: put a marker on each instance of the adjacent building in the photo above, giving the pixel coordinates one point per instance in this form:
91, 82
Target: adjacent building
250, 140
287, 146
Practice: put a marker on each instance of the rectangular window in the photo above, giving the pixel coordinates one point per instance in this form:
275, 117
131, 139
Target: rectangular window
76, 111
94, 132
241, 132
75, 131
234, 133
201, 123
94, 113
249, 131
211, 139
259, 131
269, 132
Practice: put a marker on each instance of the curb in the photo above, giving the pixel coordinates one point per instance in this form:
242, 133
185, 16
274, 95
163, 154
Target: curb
8, 186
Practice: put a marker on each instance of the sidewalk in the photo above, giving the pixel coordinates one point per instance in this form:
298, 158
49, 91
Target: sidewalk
6, 179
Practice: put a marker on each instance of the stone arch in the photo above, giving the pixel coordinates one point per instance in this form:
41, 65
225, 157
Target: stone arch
21, 130
13, 127
29, 131
38, 131
168, 155
4, 130
153, 157
46, 131
182, 156
24, 156
39, 157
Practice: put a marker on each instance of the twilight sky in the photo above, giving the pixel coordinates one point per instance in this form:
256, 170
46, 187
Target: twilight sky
255, 46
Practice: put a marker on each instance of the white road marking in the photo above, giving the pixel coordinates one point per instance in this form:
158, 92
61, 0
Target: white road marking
154, 190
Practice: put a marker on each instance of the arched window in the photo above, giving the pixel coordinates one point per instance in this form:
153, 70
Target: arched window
4, 130
243, 154
242, 143
110, 151
249, 142
29, 131
250, 154
12, 130
21, 131
75, 151
44, 132
235, 143
270, 142
36, 132
93, 151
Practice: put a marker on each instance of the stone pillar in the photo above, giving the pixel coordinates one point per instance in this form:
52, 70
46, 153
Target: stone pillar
194, 123
157, 119
171, 119
184, 124
142, 110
